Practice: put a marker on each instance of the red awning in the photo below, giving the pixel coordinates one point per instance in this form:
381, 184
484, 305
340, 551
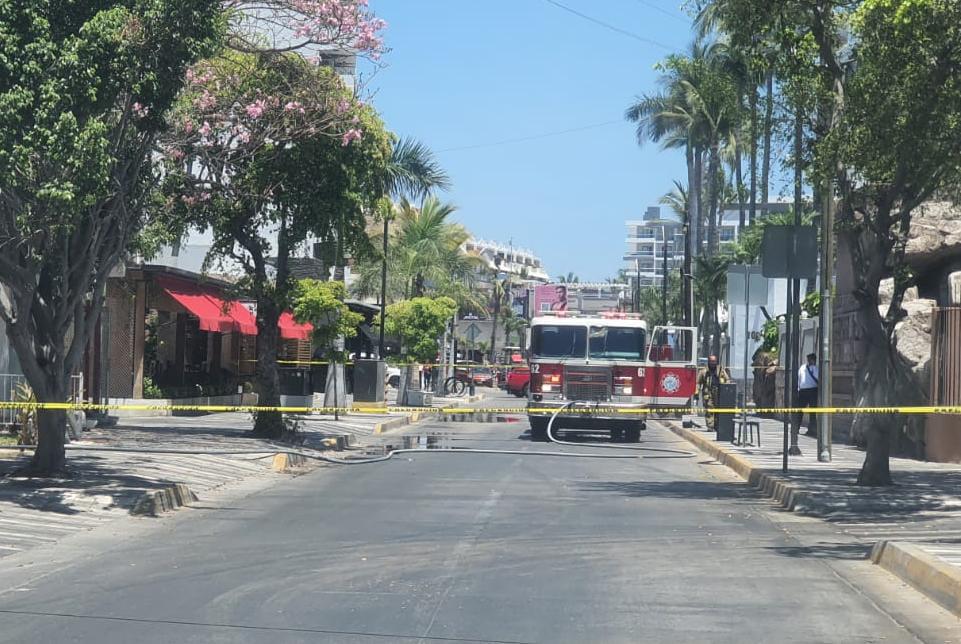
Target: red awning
200, 304
226, 316
242, 317
290, 329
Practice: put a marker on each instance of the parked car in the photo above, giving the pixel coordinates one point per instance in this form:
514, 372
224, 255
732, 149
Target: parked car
393, 376
518, 381
483, 376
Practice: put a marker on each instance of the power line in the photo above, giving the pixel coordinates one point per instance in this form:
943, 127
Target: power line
533, 137
608, 25
669, 14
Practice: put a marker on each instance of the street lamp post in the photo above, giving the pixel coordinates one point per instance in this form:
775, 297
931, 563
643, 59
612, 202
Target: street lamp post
383, 290
664, 277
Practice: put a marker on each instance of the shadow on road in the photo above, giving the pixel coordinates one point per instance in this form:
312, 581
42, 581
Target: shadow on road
91, 476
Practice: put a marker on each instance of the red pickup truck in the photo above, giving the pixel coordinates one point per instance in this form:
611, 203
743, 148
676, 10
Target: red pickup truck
518, 381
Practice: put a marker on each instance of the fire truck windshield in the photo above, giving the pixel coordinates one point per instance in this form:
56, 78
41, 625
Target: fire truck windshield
549, 341
620, 343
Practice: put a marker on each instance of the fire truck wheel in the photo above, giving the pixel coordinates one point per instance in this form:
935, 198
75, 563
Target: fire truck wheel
539, 429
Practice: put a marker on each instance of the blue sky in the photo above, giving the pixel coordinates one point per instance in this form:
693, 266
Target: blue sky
467, 73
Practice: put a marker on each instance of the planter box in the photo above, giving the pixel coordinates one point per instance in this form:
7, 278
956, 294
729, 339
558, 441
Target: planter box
232, 399
418, 398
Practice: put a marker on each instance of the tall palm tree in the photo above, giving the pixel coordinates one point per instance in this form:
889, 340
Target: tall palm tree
711, 286
500, 295
677, 201
513, 325
413, 172
570, 278
425, 256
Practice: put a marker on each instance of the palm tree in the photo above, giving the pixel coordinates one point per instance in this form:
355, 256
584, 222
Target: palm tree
570, 278
513, 324
500, 290
711, 286
677, 201
425, 256
413, 172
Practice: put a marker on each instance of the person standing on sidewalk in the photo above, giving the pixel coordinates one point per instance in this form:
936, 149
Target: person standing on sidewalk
709, 384
807, 392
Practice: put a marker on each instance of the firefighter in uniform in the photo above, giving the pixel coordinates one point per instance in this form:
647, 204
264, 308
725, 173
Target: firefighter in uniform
708, 383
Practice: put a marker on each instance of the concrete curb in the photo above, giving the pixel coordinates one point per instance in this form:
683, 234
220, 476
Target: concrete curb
403, 421
937, 579
167, 499
285, 462
788, 495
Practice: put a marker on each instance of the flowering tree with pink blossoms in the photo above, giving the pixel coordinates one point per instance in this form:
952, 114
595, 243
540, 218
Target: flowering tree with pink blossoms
290, 25
268, 150
87, 86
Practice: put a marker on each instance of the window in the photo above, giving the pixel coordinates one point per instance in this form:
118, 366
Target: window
626, 343
558, 341
672, 345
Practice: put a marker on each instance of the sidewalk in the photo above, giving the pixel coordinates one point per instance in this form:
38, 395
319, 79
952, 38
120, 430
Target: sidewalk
918, 520
106, 486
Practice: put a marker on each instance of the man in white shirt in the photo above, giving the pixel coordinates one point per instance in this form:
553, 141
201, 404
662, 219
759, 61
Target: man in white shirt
807, 391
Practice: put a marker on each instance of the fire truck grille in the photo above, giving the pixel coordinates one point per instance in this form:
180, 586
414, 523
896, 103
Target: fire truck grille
586, 383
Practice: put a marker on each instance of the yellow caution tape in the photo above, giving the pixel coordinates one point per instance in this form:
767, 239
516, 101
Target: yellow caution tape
598, 410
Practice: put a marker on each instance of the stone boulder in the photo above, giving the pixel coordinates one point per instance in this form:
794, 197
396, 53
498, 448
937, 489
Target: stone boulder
886, 291
912, 336
935, 234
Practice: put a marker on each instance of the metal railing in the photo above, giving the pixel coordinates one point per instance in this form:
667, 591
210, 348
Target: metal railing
10, 384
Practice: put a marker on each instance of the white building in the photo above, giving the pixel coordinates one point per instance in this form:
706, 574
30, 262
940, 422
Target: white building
647, 241
520, 263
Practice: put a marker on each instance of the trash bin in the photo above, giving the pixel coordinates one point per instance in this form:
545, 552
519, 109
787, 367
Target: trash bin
724, 423
369, 381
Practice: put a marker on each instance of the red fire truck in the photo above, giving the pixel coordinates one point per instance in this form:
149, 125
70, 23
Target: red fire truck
608, 367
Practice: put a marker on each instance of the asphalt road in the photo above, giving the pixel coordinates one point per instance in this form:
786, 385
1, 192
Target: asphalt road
447, 547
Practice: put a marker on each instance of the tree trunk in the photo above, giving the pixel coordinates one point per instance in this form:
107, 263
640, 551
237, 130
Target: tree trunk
268, 424
768, 130
698, 191
754, 115
739, 179
50, 457
497, 310
687, 279
714, 171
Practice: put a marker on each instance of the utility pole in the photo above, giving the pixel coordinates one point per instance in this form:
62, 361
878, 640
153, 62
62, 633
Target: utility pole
664, 277
826, 323
636, 296
383, 289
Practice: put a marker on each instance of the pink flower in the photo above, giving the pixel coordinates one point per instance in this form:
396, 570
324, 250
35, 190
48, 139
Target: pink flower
177, 154
343, 105
205, 101
141, 111
244, 137
255, 109
294, 106
205, 129
203, 196
188, 126
351, 135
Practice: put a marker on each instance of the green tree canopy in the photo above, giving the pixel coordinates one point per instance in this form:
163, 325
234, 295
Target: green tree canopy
322, 305
84, 87
419, 323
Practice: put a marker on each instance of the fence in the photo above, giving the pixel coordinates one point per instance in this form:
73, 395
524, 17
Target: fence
10, 384
946, 356
942, 438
